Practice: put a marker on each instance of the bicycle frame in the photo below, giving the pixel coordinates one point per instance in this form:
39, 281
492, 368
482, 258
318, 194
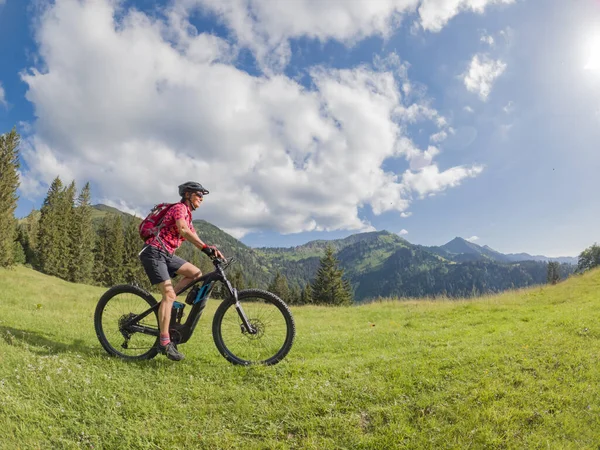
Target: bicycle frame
181, 333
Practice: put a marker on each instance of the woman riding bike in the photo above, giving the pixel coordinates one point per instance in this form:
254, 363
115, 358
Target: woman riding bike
161, 264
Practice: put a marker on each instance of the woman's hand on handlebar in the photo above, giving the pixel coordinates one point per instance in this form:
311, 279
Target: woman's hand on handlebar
212, 252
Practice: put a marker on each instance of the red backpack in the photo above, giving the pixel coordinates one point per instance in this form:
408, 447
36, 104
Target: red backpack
152, 224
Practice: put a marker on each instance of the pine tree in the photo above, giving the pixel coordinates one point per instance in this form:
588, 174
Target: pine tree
295, 295
82, 239
553, 272
237, 280
67, 240
109, 251
306, 295
9, 183
133, 270
22, 241
330, 287
49, 232
28, 236
279, 286
100, 275
114, 250
18, 253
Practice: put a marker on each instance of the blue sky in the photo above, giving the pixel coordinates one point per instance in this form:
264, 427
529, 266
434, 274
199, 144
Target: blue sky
427, 118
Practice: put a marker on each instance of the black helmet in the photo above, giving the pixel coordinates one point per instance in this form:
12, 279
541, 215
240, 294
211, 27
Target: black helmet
191, 186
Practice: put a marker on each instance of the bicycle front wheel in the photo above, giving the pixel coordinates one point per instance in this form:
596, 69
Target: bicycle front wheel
117, 336
273, 329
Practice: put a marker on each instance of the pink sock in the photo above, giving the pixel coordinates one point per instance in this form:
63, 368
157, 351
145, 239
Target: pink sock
164, 339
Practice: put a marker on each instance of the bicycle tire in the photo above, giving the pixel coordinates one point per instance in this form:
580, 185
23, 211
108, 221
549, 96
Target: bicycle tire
266, 312
116, 305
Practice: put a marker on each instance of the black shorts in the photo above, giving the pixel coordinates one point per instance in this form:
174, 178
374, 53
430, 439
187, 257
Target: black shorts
159, 265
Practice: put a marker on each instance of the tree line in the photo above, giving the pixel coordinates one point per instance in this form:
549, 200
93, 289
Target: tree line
61, 240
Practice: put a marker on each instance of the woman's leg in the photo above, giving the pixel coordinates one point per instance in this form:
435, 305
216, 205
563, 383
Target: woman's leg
190, 273
164, 310
164, 320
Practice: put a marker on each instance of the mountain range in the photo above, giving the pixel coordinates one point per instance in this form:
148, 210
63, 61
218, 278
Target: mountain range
383, 264
461, 249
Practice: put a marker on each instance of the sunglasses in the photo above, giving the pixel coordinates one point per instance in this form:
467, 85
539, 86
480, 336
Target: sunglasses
199, 194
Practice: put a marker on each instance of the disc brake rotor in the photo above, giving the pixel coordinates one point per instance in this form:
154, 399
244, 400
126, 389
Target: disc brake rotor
257, 326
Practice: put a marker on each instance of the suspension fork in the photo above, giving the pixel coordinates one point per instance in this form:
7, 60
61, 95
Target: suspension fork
238, 307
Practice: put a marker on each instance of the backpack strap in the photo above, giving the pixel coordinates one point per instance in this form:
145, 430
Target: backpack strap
160, 226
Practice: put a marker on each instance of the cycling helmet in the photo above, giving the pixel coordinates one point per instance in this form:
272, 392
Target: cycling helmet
191, 186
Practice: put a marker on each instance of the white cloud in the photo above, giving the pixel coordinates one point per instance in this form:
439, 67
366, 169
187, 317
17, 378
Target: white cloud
481, 75
139, 107
405, 214
121, 205
509, 108
25, 127
417, 112
434, 14
266, 26
472, 239
29, 186
421, 159
468, 109
2, 98
402, 232
430, 180
438, 137
487, 39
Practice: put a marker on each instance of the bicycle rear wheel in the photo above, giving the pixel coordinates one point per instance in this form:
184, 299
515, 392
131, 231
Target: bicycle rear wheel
115, 308
273, 324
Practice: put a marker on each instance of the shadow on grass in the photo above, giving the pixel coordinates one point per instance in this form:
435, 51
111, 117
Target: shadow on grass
40, 344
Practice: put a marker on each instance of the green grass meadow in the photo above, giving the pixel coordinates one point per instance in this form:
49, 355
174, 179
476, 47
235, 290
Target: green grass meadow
517, 370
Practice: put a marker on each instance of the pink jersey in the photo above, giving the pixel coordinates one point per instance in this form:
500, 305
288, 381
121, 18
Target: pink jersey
169, 234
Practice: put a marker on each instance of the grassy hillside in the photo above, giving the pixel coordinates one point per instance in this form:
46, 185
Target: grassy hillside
99, 211
518, 370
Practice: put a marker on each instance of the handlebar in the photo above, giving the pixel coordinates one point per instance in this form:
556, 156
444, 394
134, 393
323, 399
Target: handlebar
223, 262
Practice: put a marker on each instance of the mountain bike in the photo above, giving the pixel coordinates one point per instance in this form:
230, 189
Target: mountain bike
250, 326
